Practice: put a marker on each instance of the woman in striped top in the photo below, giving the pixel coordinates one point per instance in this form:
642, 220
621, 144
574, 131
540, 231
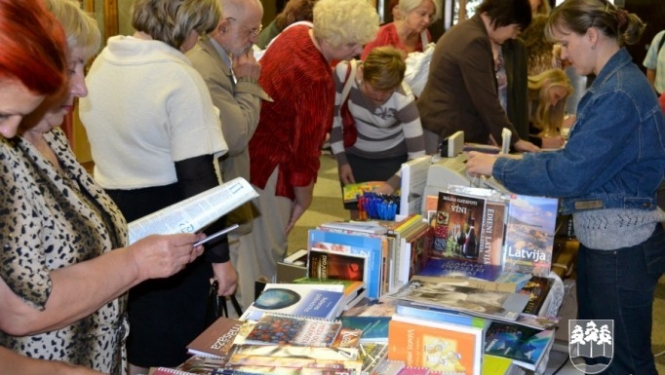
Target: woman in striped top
386, 117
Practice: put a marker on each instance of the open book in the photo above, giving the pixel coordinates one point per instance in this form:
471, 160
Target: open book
194, 213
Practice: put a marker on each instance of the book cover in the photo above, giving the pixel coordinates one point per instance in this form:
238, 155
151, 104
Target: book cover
370, 247
429, 313
286, 351
336, 265
412, 184
371, 227
537, 289
438, 346
530, 230
217, 339
372, 355
293, 330
445, 267
495, 365
525, 346
490, 304
351, 192
456, 227
202, 365
290, 366
169, 371
390, 367
374, 328
308, 300
491, 233
354, 291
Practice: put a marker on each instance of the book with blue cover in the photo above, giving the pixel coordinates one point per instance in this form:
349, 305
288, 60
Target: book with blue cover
370, 247
448, 267
375, 328
307, 300
525, 346
530, 230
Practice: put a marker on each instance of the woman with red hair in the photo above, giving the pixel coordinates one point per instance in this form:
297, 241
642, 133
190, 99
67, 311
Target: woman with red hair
62, 284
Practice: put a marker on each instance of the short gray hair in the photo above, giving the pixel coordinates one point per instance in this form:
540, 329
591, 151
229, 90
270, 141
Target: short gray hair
171, 21
340, 22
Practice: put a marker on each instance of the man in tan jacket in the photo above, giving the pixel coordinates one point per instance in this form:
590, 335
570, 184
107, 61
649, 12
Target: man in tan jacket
226, 61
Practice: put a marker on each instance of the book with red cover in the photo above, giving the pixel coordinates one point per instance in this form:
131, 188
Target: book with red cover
438, 346
336, 265
216, 340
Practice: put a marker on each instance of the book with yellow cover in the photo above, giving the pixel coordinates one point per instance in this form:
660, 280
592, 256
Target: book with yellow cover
449, 348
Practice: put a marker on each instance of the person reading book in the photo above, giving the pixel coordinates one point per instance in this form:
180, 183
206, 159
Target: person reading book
155, 136
607, 175
65, 266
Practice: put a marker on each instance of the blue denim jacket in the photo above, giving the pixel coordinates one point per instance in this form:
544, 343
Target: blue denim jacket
615, 157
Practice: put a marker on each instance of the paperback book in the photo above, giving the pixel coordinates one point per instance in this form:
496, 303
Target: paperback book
286, 351
336, 265
537, 289
491, 233
530, 230
293, 330
490, 304
525, 346
456, 226
438, 346
369, 246
217, 339
457, 268
307, 300
429, 313
374, 328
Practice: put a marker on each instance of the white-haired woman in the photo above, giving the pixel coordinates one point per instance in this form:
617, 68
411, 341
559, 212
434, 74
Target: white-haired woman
284, 151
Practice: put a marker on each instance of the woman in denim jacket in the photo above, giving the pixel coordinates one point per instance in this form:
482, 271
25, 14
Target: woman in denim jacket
607, 176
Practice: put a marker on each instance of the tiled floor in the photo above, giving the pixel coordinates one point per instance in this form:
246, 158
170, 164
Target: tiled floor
327, 206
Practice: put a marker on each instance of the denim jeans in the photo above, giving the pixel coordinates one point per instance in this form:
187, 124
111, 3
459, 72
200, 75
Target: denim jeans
619, 285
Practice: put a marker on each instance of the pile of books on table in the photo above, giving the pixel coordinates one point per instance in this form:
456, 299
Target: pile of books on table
462, 291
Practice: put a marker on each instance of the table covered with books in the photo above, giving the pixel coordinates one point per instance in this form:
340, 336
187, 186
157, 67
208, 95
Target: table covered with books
466, 287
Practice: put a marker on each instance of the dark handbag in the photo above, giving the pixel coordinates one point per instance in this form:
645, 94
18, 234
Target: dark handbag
216, 305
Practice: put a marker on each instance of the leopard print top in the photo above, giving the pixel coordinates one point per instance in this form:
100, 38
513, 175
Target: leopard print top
51, 220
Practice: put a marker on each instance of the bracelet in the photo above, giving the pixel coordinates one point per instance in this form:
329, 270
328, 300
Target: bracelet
247, 79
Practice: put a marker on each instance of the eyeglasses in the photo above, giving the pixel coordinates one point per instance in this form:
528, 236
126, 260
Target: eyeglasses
249, 32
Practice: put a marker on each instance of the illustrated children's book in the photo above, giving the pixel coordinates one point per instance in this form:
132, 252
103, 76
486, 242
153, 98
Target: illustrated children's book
444, 347
530, 234
293, 330
217, 339
457, 226
313, 301
525, 346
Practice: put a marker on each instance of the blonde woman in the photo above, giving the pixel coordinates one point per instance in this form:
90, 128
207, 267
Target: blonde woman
547, 93
408, 32
387, 120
